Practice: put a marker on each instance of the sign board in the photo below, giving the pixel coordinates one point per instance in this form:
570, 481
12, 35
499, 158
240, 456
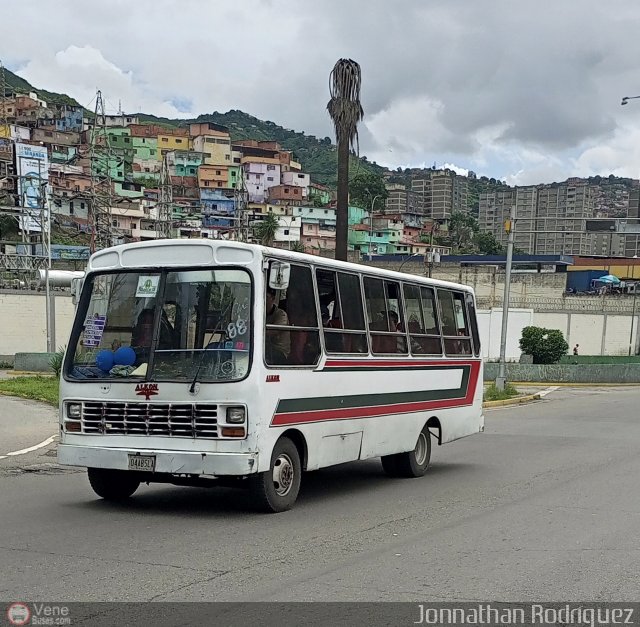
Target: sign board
93, 330
147, 286
32, 168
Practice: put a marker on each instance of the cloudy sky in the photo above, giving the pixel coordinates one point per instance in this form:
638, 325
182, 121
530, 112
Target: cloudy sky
525, 91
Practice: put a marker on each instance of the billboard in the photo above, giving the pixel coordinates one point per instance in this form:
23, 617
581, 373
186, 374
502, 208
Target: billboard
32, 168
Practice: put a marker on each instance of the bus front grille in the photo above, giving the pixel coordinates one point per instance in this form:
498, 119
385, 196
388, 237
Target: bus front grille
194, 420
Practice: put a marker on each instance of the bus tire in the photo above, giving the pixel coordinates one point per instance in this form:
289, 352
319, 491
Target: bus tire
390, 465
413, 463
112, 485
276, 490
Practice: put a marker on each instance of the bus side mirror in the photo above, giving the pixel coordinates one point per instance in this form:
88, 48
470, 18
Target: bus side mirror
76, 289
279, 275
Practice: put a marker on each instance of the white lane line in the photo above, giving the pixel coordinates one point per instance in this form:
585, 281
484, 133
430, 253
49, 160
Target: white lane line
546, 391
31, 448
2, 456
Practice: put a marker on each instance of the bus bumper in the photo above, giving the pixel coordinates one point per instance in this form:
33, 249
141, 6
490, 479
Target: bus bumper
170, 462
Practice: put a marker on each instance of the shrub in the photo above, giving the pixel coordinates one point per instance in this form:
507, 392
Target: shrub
56, 361
546, 346
493, 394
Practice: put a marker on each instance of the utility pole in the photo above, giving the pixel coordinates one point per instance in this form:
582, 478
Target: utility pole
3, 103
501, 379
165, 203
101, 191
373, 204
45, 238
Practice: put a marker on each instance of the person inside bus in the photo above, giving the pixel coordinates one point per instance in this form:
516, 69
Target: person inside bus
277, 341
305, 346
385, 321
142, 335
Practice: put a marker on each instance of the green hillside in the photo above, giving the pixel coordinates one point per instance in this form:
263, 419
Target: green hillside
317, 155
15, 84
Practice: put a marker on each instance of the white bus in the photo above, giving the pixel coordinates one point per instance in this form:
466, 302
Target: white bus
207, 362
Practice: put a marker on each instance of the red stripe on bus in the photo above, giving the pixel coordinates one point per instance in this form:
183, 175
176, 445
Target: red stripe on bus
394, 363
363, 412
322, 415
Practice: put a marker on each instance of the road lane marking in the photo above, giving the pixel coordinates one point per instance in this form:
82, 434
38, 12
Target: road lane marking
548, 390
31, 448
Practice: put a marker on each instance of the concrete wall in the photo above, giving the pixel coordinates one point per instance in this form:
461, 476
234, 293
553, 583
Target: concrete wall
567, 373
23, 322
596, 333
490, 326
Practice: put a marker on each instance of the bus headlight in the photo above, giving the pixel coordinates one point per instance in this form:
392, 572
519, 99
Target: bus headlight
74, 411
235, 415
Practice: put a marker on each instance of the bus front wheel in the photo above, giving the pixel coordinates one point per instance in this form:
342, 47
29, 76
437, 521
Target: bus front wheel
276, 490
411, 464
112, 485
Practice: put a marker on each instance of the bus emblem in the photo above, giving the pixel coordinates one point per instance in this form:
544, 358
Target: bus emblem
147, 390
273, 378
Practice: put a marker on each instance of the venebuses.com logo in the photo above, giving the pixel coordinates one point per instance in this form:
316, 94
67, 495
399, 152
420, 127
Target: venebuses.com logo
38, 614
18, 613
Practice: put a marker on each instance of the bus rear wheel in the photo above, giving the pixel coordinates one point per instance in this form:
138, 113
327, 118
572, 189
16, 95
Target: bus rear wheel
411, 464
276, 490
112, 485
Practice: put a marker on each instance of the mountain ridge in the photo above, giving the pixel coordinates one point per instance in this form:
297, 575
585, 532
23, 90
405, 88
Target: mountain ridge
318, 156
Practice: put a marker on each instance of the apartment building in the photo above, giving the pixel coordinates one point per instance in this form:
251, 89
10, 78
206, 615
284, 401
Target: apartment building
442, 192
550, 219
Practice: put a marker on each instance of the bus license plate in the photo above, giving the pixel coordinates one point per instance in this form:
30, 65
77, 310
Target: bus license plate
142, 462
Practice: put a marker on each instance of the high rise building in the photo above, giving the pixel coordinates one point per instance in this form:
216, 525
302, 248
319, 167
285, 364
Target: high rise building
442, 192
551, 219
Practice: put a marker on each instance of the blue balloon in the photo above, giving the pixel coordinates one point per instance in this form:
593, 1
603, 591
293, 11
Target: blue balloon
104, 360
125, 356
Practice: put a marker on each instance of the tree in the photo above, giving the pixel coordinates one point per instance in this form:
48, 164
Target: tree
546, 346
266, 229
462, 230
345, 111
366, 187
487, 244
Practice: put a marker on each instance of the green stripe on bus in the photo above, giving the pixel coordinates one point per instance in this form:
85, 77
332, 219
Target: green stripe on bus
317, 403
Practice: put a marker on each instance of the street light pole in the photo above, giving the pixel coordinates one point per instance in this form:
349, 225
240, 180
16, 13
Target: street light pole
501, 379
625, 100
407, 259
373, 204
633, 318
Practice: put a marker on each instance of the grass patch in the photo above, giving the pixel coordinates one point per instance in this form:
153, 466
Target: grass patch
493, 394
36, 388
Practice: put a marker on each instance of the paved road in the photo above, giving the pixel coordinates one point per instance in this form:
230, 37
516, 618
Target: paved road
543, 506
24, 424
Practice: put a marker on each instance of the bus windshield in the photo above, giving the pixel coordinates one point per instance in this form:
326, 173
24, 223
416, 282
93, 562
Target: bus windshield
165, 325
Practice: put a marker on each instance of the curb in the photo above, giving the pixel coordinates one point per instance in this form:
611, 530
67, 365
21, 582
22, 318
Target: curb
27, 373
517, 400
531, 384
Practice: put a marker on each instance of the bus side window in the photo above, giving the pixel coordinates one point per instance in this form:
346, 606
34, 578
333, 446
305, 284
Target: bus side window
455, 329
473, 321
340, 301
385, 314
303, 318
424, 335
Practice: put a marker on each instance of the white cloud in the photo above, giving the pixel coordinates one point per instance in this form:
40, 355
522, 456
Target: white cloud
513, 91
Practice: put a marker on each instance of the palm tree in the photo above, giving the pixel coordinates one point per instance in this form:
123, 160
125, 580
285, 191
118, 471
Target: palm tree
345, 111
298, 247
266, 229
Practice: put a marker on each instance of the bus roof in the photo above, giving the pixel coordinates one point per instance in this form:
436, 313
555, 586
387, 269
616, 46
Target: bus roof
117, 257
